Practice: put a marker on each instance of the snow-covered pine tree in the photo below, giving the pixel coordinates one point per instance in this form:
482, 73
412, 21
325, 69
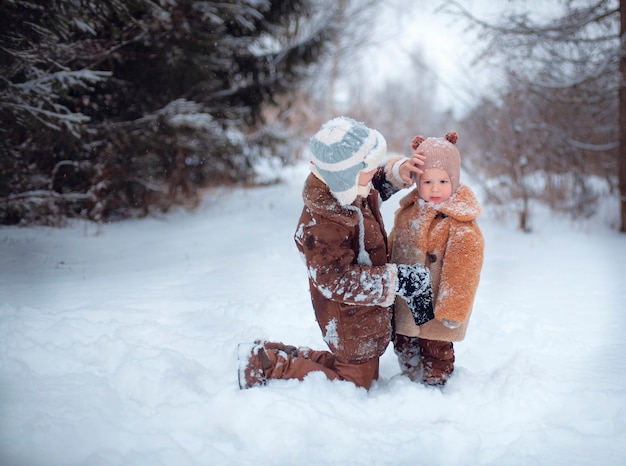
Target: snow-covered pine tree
112, 108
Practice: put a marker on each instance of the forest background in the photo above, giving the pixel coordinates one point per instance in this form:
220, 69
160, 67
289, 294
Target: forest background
116, 109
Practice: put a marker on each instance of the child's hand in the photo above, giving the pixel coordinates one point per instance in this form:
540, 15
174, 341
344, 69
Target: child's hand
411, 166
451, 323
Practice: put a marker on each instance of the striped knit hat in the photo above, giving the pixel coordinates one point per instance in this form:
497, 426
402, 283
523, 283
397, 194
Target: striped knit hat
340, 150
440, 153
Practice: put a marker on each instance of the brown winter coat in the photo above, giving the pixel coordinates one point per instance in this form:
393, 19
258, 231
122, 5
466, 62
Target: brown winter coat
351, 298
445, 238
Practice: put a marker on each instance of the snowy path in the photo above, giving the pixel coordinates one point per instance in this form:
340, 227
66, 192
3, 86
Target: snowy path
117, 347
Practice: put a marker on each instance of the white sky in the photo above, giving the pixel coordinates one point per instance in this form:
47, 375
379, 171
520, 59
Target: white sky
445, 42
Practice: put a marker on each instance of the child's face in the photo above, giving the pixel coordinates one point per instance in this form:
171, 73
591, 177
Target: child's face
435, 185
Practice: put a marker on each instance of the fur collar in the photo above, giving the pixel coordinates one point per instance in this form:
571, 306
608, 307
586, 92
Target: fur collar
319, 200
462, 206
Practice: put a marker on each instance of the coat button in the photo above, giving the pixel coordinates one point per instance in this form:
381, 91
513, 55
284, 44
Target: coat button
432, 258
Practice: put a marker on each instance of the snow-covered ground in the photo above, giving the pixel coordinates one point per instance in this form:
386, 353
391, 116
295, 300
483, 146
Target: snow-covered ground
118, 347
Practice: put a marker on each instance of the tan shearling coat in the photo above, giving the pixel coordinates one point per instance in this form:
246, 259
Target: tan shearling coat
445, 238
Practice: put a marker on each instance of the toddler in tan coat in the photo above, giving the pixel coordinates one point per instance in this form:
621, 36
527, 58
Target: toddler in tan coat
436, 226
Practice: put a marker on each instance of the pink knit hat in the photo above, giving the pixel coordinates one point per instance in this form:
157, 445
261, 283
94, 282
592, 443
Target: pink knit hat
440, 153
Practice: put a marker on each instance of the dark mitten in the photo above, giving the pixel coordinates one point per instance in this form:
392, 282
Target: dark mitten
421, 306
385, 188
412, 280
415, 287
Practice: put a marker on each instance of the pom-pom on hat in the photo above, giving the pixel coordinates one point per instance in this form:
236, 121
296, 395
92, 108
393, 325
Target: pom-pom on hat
440, 153
340, 150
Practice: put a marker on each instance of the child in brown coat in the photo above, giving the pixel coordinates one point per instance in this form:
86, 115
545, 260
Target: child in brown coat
436, 226
342, 240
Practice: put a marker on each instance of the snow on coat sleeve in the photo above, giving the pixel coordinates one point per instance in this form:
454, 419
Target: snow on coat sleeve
331, 263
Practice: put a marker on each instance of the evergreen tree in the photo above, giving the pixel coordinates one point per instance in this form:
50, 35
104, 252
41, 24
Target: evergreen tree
112, 108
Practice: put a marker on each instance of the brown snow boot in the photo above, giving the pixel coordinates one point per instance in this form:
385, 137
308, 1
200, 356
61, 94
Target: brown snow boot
408, 353
253, 364
438, 361
270, 345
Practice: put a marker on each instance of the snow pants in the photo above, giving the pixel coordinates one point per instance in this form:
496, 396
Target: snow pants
303, 361
427, 361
